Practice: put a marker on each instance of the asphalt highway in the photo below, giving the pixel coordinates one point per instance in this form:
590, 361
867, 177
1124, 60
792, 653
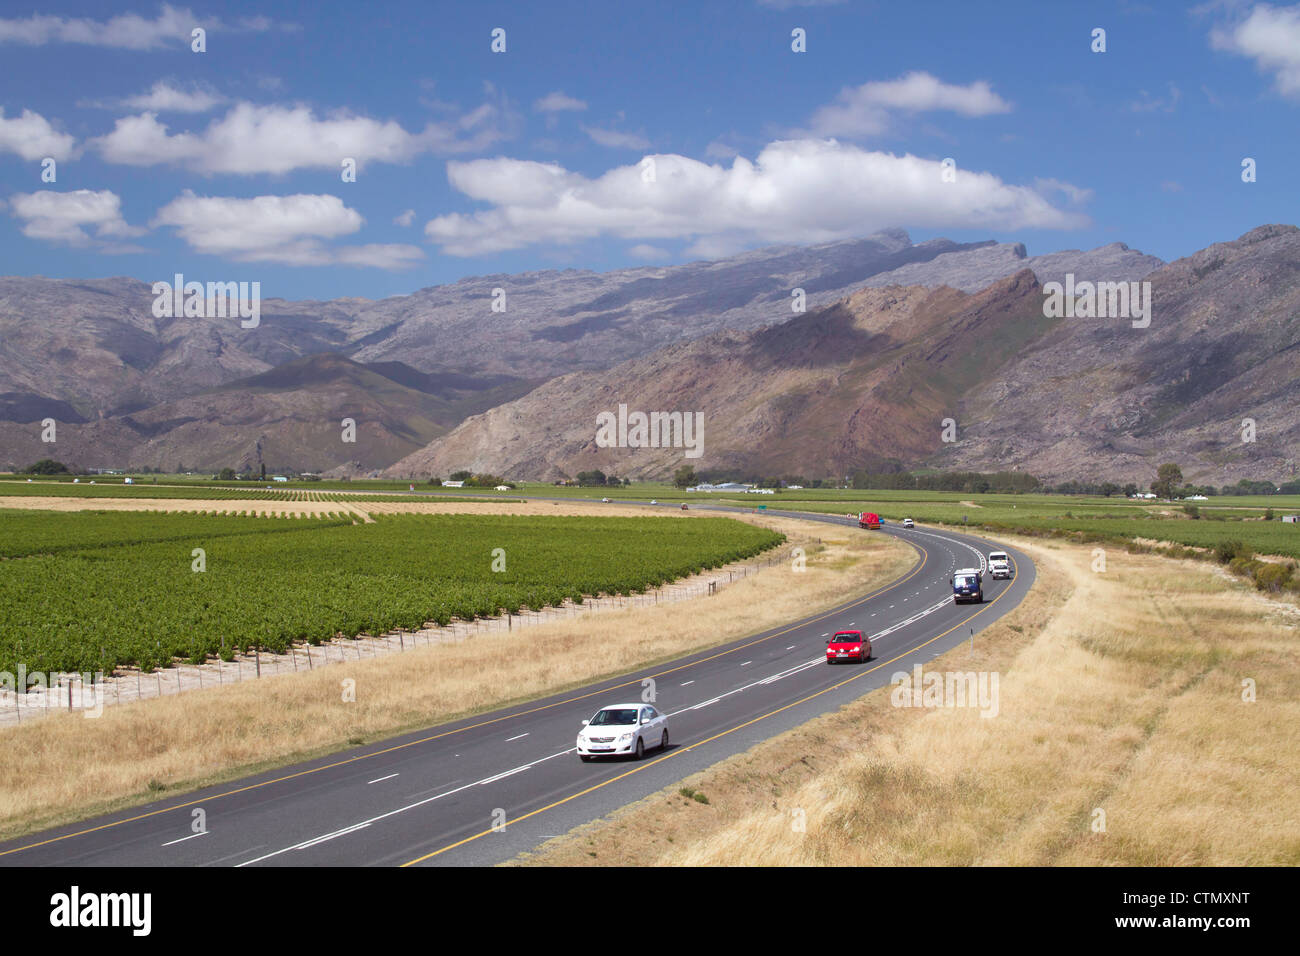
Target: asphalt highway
484, 789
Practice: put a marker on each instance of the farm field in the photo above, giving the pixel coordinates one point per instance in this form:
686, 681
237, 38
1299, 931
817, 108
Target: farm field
253, 491
83, 592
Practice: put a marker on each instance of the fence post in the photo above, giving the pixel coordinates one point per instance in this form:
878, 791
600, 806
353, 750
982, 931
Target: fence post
257, 658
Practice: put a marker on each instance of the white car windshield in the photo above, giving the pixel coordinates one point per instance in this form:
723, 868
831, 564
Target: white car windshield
606, 718
997, 556
965, 581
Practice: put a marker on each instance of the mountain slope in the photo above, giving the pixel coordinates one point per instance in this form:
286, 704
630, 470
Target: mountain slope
860, 382
290, 416
866, 383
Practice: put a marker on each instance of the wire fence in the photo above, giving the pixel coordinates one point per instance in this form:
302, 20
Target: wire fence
91, 693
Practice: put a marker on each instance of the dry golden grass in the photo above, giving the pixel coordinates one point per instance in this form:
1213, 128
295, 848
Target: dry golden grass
66, 767
361, 508
1120, 692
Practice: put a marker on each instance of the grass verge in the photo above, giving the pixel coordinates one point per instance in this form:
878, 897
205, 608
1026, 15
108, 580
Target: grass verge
66, 767
1123, 737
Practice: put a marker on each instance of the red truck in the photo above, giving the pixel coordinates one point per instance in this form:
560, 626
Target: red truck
869, 520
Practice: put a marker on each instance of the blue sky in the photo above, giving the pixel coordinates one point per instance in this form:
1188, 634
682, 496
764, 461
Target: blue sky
225, 165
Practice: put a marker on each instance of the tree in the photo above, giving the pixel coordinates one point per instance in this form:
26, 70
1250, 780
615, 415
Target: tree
588, 478
684, 476
1108, 488
1130, 489
1168, 477
462, 475
226, 474
47, 466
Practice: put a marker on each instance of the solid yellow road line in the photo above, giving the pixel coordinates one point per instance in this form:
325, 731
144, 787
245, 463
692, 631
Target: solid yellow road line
483, 723
687, 749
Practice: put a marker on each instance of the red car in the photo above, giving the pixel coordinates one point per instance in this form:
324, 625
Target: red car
848, 646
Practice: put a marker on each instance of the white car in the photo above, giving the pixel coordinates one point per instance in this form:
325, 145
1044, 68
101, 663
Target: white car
605, 500
999, 565
653, 502
622, 729
909, 523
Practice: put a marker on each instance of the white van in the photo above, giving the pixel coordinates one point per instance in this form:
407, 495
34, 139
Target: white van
999, 564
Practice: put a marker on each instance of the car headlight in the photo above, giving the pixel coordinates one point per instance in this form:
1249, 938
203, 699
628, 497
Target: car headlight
625, 737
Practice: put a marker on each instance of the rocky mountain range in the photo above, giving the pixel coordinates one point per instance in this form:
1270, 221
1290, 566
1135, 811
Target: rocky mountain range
128, 389
871, 382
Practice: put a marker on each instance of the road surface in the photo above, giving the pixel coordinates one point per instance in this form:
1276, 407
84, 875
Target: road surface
484, 789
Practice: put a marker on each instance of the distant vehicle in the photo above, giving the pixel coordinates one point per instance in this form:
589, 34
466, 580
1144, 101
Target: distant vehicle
622, 729
909, 523
653, 502
869, 520
604, 499
848, 646
685, 507
999, 565
967, 586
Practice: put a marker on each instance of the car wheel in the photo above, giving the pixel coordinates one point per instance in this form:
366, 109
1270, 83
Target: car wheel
663, 741
640, 748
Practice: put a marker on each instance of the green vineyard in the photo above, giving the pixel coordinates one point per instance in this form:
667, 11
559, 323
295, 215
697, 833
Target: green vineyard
85, 592
51, 489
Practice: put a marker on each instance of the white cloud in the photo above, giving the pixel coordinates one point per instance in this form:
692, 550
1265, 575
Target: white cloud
1271, 37
127, 31
162, 97
405, 219
557, 102
389, 256
65, 217
865, 110
644, 250
286, 229
1150, 104
33, 137
615, 139
1074, 193
720, 150
280, 139
795, 191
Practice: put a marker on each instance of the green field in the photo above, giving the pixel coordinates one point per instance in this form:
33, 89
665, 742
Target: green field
206, 492
85, 591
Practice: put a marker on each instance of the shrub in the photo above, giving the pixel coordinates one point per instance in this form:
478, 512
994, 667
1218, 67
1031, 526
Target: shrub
1271, 577
1225, 551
